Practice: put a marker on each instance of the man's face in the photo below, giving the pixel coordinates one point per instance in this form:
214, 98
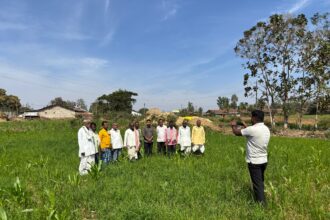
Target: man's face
131, 126
93, 127
148, 123
199, 123
137, 125
88, 125
115, 127
105, 126
161, 122
171, 124
184, 124
253, 120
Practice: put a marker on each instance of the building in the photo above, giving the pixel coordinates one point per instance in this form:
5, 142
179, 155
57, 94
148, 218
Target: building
57, 112
136, 114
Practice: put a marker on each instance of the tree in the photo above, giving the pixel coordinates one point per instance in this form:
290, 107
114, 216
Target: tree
223, 103
118, 101
80, 103
319, 67
9, 102
243, 106
143, 111
60, 102
254, 48
25, 108
200, 111
234, 100
271, 49
190, 108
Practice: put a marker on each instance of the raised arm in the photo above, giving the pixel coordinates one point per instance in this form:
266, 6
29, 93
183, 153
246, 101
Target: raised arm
236, 130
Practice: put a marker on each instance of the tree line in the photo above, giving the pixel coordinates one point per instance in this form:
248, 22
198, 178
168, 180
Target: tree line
287, 60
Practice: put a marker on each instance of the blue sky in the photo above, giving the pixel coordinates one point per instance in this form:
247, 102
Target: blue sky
168, 51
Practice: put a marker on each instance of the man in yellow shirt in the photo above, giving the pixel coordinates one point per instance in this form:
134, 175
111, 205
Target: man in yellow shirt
105, 143
198, 138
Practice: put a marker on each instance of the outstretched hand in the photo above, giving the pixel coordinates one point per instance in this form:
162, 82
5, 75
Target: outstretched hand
233, 123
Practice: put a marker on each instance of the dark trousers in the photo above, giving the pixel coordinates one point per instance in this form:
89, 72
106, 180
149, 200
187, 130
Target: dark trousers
171, 149
161, 147
257, 177
148, 148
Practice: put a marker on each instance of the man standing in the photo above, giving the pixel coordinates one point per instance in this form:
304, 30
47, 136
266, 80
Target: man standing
132, 142
86, 148
116, 142
161, 130
171, 137
258, 136
198, 137
96, 141
137, 127
184, 138
105, 142
148, 135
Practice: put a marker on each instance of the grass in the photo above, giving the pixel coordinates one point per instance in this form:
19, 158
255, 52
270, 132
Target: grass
39, 162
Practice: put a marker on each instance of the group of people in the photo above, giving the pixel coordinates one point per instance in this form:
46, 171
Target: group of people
107, 144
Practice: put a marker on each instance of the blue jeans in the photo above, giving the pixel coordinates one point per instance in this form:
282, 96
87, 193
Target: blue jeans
115, 154
106, 156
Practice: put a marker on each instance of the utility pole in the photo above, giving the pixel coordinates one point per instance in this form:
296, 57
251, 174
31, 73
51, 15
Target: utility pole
144, 109
256, 89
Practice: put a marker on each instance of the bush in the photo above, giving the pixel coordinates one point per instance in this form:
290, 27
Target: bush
327, 134
324, 124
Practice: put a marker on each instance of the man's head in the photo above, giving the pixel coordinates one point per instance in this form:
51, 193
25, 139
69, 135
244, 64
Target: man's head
87, 123
105, 125
93, 126
137, 125
131, 125
171, 124
115, 126
185, 123
257, 116
160, 122
148, 123
198, 123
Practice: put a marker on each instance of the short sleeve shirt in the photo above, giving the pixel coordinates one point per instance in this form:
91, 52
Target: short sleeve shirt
258, 136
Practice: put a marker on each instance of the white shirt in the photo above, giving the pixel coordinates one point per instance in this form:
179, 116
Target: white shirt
116, 139
161, 133
96, 141
258, 136
130, 138
184, 138
85, 142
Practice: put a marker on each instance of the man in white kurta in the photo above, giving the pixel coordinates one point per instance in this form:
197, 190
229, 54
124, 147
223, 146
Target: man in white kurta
184, 138
116, 141
132, 142
86, 148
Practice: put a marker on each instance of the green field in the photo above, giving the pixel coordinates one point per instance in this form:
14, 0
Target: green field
43, 155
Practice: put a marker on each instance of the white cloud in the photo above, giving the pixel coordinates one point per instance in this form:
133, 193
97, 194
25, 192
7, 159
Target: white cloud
107, 6
108, 38
169, 8
300, 4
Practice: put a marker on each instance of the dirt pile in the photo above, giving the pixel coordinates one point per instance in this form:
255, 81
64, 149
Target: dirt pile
205, 122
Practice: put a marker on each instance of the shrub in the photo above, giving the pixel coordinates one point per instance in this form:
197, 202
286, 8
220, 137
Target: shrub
324, 124
327, 134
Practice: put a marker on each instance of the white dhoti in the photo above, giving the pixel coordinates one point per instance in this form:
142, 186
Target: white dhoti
86, 162
185, 149
199, 147
132, 154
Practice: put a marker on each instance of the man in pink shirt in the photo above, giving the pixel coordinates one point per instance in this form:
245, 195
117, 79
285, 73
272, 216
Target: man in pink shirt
171, 137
